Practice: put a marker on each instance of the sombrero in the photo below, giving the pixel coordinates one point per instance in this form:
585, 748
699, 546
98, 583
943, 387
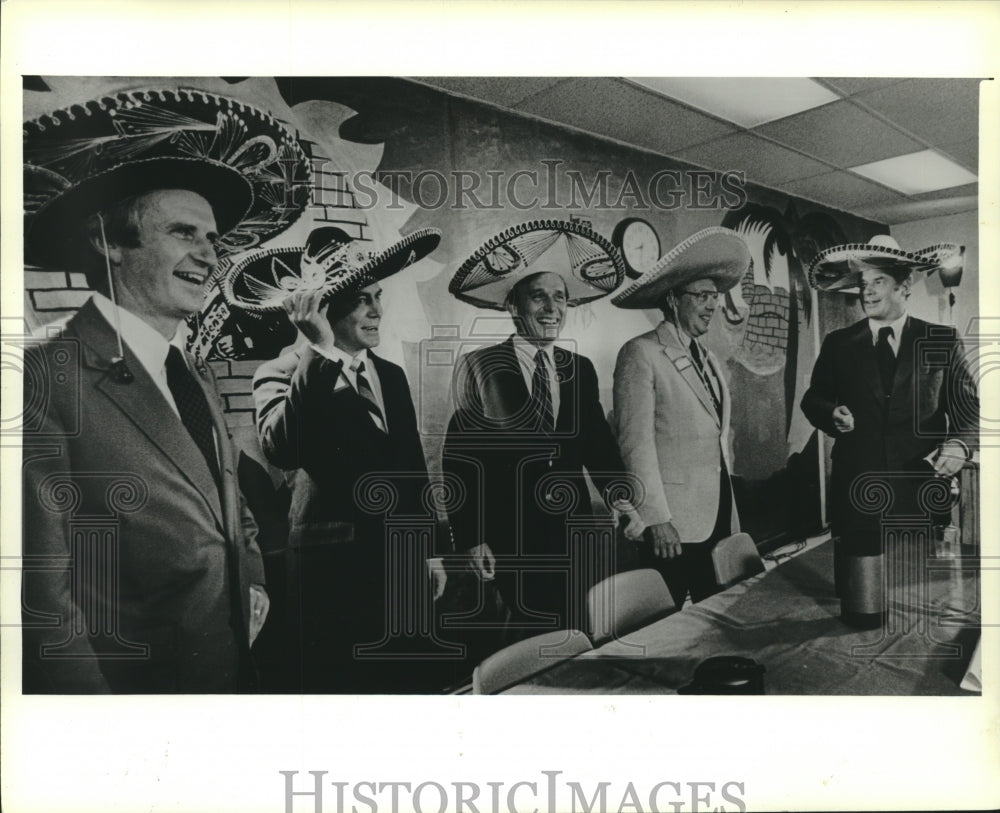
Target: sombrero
590, 264
248, 165
331, 260
715, 253
840, 267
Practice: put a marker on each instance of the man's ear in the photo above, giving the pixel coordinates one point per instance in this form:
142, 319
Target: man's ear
110, 250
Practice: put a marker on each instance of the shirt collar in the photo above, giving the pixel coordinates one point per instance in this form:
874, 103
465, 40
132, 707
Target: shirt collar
897, 327
143, 340
339, 354
528, 350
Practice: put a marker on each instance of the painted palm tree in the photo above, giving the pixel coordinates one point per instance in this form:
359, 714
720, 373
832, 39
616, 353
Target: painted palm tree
798, 239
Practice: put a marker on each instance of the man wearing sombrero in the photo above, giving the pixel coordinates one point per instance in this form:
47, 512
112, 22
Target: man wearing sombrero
141, 571
894, 391
672, 407
527, 418
333, 415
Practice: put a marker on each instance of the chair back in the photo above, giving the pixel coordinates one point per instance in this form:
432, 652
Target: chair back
527, 658
626, 601
735, 558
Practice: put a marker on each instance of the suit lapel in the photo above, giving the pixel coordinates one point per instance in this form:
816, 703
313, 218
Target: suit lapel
904, 357
142, 402
566, 376
682, 362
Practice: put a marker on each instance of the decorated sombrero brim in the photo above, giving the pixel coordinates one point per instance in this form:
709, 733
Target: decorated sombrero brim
77, 160
330, 261
590, 264
840, 267
715, 253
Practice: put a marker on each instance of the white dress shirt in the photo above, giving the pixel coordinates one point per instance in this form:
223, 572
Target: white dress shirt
351, 377
897, 330
526, 352
148, 344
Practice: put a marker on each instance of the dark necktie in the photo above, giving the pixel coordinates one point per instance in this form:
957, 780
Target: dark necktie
192, 406
700, 365
886, 359
366, 392
541, 393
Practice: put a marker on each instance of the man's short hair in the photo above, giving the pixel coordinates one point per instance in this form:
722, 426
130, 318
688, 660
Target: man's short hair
121, 227
511, 300
666, 306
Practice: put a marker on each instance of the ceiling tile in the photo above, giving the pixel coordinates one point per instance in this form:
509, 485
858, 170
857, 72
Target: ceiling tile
842, 190
965, 152
892, 213
841, 133
953, 192
763, 161
954, 102
855, 84
505, 91
622, 111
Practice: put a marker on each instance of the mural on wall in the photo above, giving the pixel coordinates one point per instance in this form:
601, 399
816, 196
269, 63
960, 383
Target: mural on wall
768, 320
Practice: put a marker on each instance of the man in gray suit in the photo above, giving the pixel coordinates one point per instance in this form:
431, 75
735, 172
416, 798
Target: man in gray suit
672, 408
141, 569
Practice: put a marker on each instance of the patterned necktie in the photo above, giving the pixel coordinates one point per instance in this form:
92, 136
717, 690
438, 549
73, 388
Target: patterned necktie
886, 359
366, 392
541, 394
193, 408
700, 365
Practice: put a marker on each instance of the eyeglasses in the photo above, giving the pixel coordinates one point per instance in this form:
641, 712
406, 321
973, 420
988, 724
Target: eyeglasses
704, 297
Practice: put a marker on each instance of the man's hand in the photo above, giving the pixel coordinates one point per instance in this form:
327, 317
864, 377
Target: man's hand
635, 526
843, 420
439, 578
666, 540
304, 311
482, 562
950, 458
259, 605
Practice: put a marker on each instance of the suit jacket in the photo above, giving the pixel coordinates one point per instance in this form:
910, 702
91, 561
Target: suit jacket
670, 434
933, 398
323, 435
522, 483
126, 533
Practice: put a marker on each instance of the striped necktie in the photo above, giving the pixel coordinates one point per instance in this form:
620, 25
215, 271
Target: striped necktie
700, 365
541, 393
366, 392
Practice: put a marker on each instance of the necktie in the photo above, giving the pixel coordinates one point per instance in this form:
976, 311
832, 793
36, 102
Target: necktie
193, 408
366, 392
700, 365
886, 359
541, 394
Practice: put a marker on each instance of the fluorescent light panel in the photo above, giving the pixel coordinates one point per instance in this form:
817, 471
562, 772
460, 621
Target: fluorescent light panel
925, 171
746, 102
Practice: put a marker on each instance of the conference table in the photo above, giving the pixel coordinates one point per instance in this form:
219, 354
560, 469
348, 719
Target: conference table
788, 620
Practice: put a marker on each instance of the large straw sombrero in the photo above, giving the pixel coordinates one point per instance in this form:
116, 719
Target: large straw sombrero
248, 165
715, 253
840, 267
331, 261
590, 264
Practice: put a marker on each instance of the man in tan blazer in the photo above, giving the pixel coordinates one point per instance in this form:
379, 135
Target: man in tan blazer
672, 409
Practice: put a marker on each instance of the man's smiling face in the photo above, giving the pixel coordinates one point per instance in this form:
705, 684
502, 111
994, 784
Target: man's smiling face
162, 279
539, 307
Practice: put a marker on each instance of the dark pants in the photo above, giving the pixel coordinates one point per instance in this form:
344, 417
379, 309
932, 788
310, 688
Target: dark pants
692, 572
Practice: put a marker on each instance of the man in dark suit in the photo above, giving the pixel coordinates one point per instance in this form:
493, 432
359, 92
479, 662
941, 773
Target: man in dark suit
142, 573
527, 424
340, 421
894, 391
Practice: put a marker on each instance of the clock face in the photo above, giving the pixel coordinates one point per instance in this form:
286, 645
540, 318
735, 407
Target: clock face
639, 245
